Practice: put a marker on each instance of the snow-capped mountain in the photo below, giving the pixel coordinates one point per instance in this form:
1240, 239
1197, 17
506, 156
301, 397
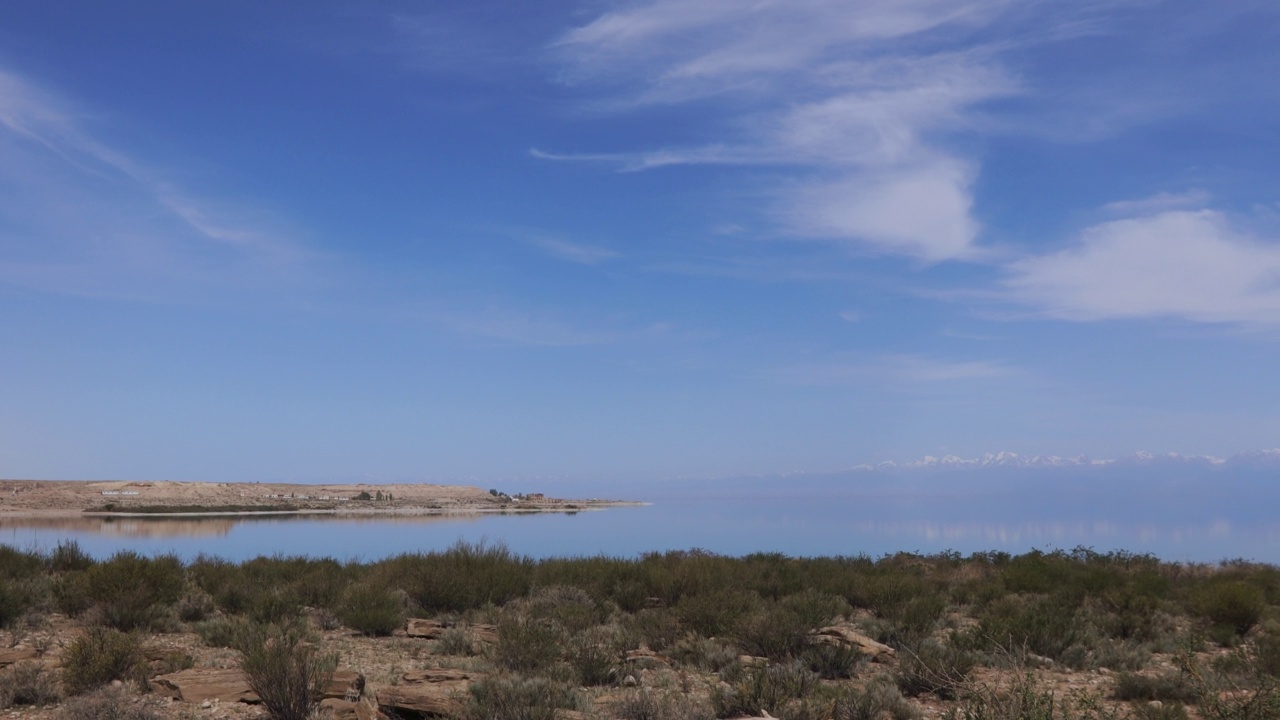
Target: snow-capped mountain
1257, 459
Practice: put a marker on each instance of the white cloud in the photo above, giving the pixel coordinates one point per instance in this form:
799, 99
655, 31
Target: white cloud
1159, 202
923, 212
854, 98
1191, 265
892, 371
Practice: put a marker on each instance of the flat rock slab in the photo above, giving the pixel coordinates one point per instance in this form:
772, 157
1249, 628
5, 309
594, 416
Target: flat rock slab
430, 699
420, 628
345, 685
197, 686
9, 656
231, 685
433, 629
839, 634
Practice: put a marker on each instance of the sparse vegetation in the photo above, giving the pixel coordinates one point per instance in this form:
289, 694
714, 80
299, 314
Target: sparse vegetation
677, 634
99, 656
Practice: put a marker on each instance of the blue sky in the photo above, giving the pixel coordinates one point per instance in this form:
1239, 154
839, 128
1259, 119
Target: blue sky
478, 242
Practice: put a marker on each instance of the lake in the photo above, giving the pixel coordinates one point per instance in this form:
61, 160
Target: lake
1197, 527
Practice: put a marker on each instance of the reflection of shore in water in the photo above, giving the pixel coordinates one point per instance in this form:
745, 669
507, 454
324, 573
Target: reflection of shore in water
216, 526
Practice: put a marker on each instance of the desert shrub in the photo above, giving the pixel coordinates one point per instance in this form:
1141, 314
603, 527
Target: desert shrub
464, 577
1232, 604
99, 656
1131, 686
28, 683
224, 581
107, 703
717, 612
710, 654
1025, 700
815, 609
652, 705
596, 656
1240, 690
771, 632
16, 564
132, 591
932, 667
878, 700
760, 690
287, 672
1045, 626
573, 609
657, 628
274, 604
456, 641
68, 556
1267, 652
517, 698
195, 605
832, 661
525, 644
18, 597
222, 631
371, 609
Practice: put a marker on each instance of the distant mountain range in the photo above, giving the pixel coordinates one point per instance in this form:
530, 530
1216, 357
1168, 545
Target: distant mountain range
1256, 459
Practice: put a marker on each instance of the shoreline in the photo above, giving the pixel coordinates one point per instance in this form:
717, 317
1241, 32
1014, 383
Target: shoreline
58, 499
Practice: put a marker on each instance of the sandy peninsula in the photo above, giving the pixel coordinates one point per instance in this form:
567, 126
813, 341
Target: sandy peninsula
54, 498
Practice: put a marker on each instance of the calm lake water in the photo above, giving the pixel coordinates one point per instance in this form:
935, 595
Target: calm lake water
1182, 527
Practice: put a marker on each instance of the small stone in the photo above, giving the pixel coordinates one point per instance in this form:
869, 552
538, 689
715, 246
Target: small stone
629, 681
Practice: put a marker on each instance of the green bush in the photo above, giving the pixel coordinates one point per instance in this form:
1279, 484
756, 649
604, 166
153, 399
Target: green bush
28, 683
653, 705
878, 700
716, 612
832, 661
1232, 604
464, 577
1046, 626
99, 656
526, 645
287, 672
596, 656
371, 609
773, 632
132, 591
658, 628
69, 557
761, 690
932, 667
517, 698
227, 632
106, 703
1131, 686
456, 641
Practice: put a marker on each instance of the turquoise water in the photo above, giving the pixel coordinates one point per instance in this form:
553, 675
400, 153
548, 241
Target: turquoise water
1201, 527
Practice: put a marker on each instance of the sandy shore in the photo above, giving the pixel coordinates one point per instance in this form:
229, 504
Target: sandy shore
50, 499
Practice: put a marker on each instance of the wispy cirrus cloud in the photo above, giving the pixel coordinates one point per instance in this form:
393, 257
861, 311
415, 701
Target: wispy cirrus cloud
581, 253
84, 217
852, 102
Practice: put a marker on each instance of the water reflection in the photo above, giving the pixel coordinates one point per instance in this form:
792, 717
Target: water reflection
811, 525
